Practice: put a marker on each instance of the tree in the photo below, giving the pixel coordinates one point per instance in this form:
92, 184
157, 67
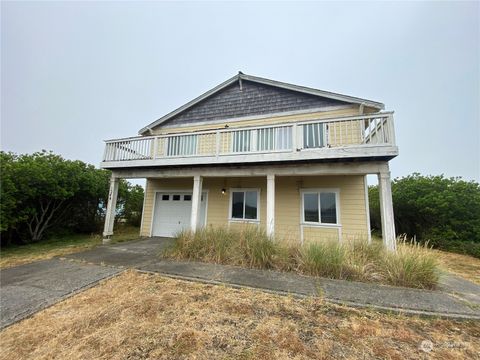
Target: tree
443, 211
42, 190
133, 204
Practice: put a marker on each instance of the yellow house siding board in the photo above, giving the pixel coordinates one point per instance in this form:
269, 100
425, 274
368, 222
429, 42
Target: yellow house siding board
147, 210
287, 203
206, 144
159, 130
312, 233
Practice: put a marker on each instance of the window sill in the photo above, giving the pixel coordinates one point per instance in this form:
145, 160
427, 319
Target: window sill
253, 221
312, 224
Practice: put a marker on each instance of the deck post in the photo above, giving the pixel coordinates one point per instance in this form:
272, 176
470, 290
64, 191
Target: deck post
196, 201
111, 209
386, 210
270, 205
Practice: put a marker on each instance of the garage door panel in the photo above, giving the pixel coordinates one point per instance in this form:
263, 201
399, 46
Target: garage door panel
173, 211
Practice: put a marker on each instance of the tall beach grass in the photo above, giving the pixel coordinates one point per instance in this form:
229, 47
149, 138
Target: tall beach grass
412, 265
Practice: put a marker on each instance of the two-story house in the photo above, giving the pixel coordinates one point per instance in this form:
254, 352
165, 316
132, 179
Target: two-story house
288, 158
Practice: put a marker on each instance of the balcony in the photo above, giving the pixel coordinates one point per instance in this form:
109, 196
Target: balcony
355, 137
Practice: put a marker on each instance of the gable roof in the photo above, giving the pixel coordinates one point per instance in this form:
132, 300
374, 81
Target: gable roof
279, 96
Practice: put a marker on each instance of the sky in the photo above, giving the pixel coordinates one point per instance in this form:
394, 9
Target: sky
76, 73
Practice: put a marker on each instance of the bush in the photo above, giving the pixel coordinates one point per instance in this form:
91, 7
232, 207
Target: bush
43, 194
412, 266
444, 212
247, 247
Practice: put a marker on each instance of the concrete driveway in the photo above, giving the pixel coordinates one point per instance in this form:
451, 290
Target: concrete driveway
29, 288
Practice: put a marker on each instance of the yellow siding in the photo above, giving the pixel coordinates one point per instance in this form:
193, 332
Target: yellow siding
206, 144
342, 133
353, 217
311, 233
159, 130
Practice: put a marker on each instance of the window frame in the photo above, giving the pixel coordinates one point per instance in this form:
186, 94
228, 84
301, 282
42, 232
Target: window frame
252, 141
244, 190
323, 139
171, 147
318, 191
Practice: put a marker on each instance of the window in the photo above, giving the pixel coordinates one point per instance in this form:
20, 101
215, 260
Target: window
182, 145
242, 140
165, 197
187, 197
320, 207
244, 204
176, 197
313, 136
275, 138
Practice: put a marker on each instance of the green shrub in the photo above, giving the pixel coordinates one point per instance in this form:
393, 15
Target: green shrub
442, 211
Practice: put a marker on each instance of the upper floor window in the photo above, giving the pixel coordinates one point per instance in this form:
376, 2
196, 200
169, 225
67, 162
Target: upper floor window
264, 139
244, 204
320, 206
313, 136
242, 141
182, 145
279, 138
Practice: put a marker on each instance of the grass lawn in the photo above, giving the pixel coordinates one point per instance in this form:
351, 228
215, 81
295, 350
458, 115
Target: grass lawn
17, 255
140, 316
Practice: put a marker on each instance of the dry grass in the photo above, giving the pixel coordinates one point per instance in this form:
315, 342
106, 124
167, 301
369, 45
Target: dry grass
465, 266
18, 255
140, 316
412, 265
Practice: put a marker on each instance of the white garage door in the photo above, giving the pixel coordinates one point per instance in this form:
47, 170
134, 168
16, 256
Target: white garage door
172, 212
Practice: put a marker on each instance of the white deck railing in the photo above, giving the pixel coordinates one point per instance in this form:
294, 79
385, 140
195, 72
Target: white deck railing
352, 131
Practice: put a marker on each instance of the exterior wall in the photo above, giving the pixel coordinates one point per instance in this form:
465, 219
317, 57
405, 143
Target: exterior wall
347, 111
353, 216
340, 133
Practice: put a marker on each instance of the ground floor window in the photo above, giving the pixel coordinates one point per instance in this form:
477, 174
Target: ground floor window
244, 204
320, 206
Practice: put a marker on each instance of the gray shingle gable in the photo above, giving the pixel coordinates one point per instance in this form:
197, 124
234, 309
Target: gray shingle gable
252, 99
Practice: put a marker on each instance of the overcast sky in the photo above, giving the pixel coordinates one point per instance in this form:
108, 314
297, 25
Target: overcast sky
75, 73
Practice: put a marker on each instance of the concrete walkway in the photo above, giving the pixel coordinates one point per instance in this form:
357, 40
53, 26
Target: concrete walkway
456, 297
29, 288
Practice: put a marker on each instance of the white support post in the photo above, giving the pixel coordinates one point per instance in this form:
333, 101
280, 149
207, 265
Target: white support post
270, 205
367, 210
386, 210
111, 209
196, 200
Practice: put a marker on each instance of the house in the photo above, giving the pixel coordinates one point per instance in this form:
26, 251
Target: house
288, 158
